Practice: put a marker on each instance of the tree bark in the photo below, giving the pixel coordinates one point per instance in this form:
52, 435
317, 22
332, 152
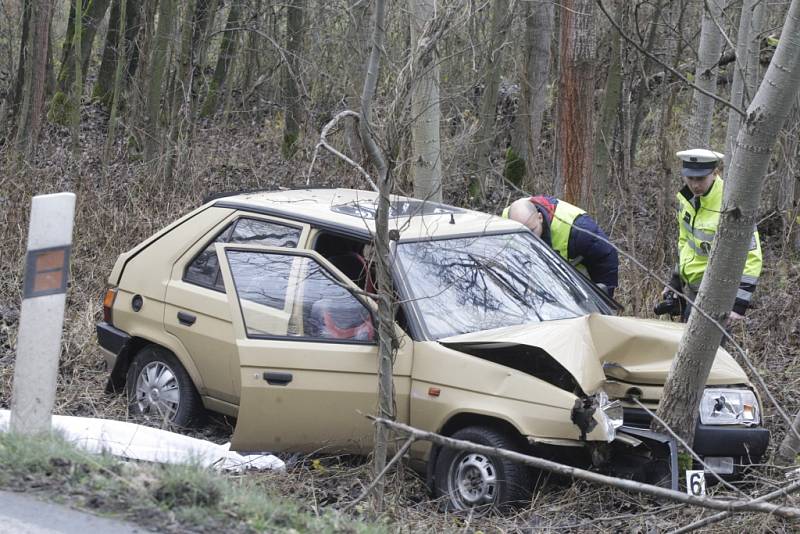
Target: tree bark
574, 141
605, 139
120, 55
157, 66
293, 109
77, 84
227, 51
741, 92
535, 80
29, 118
426, 153
13, 102
484, 137
705, 76
126, 24
765, 117
92, 13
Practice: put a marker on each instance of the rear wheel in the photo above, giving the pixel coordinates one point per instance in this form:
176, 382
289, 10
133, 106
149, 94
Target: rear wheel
478, 482
161, 391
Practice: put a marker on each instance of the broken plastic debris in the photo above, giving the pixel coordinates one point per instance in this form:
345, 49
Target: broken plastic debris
138, 442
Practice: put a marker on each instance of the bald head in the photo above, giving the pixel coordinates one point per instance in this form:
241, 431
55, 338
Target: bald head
525, 212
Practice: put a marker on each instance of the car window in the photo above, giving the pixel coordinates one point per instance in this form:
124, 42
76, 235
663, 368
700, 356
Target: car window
320, 307
204, 269
468, 284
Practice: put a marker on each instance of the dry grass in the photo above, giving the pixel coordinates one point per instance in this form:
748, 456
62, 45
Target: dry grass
121, 204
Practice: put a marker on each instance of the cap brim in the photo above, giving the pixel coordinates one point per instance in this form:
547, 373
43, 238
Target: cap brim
685, 171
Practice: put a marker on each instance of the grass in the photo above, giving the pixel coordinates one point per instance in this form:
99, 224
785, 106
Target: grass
163, 497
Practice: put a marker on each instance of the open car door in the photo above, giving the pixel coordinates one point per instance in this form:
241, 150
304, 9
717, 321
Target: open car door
309, 378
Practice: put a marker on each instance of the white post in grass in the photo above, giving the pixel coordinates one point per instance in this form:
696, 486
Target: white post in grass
41, 318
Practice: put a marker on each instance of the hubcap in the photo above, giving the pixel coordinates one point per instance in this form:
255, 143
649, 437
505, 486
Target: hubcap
473, 478
157, 391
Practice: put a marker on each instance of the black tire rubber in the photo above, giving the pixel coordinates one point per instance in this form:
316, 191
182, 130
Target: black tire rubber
514, 479
190, 412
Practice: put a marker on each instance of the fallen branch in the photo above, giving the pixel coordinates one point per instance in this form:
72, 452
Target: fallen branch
794, 486
786, 512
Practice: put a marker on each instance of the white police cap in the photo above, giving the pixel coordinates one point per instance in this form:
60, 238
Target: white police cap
699, 161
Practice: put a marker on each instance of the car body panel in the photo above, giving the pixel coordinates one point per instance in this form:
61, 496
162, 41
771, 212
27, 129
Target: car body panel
210, 339
331, 387
589, 347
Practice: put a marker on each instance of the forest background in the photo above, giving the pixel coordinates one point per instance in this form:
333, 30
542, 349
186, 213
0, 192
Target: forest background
144, 107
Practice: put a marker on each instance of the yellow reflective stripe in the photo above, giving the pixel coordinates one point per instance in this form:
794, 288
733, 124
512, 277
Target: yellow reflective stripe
746, 279
696, 248
696, 232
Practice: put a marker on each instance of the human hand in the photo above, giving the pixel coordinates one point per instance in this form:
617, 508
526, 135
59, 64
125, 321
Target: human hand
733, 318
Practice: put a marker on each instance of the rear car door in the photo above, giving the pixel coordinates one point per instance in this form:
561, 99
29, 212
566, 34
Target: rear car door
197, 310
309, 384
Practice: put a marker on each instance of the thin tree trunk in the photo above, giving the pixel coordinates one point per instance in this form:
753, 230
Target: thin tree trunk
180, 123
295, 33
120, 55
105, 85
157, 66
29, 119
92, 13
705, 76
426, 156
574, 143
356, 37
13, 102
765, 117
227, 51
740, 93
77, 85
484, 137
605, 142
539, 34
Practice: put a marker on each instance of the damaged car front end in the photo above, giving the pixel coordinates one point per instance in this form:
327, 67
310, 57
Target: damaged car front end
556, 362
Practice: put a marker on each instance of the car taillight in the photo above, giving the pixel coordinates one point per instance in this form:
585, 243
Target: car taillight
108, 302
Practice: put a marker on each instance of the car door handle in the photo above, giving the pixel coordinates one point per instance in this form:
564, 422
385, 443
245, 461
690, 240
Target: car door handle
186, 319
277, 379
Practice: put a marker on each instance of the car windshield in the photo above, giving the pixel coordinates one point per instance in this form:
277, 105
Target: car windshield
478, 283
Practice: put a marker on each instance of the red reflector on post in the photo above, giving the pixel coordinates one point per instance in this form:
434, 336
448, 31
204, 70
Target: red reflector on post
434, 392
108, 302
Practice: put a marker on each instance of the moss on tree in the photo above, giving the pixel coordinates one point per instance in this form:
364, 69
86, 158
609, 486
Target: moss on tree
60, 109
515, 167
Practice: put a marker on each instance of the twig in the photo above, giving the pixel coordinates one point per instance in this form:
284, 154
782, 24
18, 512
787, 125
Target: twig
787, 512
323, 142
380, 475
794, 486
673, 71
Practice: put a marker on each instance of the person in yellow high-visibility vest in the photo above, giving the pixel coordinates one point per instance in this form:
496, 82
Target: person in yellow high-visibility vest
559, 224
699, 207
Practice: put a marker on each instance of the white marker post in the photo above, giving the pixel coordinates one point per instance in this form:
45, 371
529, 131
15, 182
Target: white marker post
41, 318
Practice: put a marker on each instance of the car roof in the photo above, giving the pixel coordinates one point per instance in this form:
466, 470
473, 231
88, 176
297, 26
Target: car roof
352, 211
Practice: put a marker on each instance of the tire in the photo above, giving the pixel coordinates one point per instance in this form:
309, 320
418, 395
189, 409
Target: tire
160, 390
469, 481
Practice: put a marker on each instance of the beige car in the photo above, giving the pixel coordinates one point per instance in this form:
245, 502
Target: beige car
257, 306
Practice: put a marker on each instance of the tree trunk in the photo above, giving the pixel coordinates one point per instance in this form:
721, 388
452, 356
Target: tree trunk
120, 54
741, 93
705, 77
295, 33
157, 66
484, 137
574, 142
181, 119
534, 94
357, 37
227, 50
765, 117
77, 84
13, 102
92, 13
29, 118
426, 156
106, 77
605, 141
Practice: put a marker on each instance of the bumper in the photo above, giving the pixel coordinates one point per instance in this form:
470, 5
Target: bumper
112, 341
745, 444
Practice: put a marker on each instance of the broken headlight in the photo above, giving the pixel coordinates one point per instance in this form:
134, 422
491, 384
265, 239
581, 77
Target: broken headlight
610, 414
729, 407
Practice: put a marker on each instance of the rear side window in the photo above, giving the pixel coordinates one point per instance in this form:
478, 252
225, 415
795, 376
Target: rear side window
204, 269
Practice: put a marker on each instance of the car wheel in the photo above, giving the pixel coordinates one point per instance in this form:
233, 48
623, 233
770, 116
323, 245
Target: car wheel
161, 391
471, 481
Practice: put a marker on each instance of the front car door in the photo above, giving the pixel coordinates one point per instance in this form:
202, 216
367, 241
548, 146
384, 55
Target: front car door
308, 383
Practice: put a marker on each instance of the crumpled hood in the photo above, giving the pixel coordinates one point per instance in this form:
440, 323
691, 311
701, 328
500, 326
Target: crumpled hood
594, 347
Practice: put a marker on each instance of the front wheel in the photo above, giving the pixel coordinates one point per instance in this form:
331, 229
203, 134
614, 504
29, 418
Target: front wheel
161, 391
478, 482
